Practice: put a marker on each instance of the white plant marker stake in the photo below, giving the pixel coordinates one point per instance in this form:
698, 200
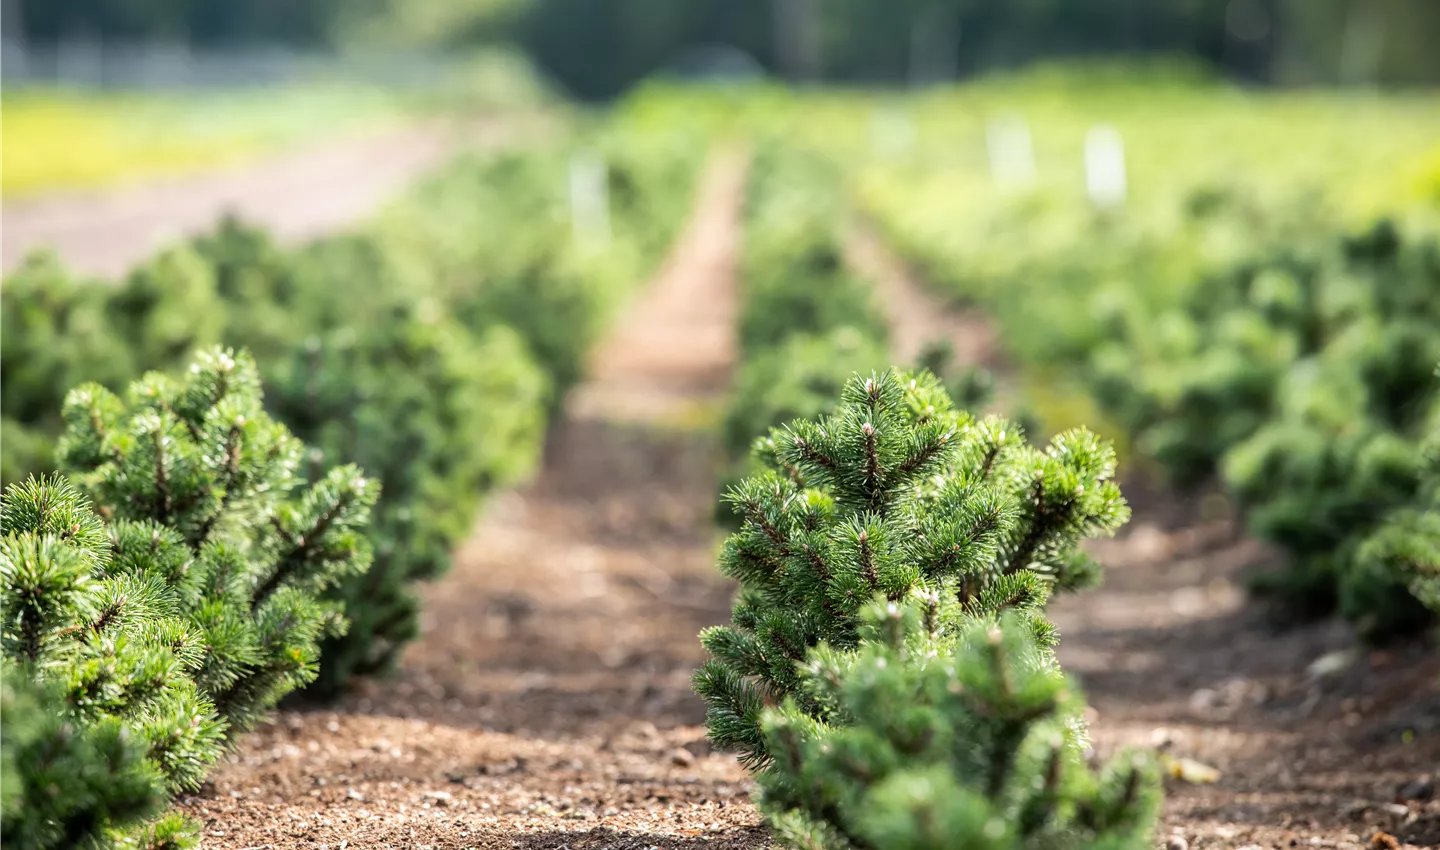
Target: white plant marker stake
590, 200
892, 132
1105, 166
1012, 157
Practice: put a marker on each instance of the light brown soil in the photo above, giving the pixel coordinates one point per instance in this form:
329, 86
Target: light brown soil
1174, 657
297, 195
548, 703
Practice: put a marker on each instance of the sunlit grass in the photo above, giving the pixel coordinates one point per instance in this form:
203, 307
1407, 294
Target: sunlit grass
57, 139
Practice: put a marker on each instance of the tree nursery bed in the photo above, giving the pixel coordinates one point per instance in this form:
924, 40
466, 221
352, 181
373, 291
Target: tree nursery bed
548, 704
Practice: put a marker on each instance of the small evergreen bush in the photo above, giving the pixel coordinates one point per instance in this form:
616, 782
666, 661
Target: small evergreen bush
1207, 374
806, 322
60, 332
167, 308
251, 550
272, 296
143, 634
496, 236
1300, 372
67, 785
892, 494
802, 286
795, 277
55, 333
1406, 546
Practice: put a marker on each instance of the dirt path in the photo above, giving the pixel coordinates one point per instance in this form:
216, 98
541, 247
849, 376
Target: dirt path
298, 195
547, 703
915, 317
1174, 656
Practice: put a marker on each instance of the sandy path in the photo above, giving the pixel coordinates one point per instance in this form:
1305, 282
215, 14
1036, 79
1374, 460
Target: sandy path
915, 317
298, 195
1173, 655
547, 703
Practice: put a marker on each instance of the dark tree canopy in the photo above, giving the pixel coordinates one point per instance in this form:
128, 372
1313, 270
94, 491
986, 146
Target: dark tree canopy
597, 49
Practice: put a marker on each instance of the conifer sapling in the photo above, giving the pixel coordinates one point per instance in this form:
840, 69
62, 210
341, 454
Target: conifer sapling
195, 477
894, 493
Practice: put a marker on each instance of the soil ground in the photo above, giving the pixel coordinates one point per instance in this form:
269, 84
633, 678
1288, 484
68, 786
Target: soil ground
547, 703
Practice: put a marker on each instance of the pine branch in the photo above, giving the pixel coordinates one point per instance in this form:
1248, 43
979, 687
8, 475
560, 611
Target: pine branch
867, 562
808, 452
988, 465
793, 652
1036, 533
817, 564
303, 547
192, 427
925, 455
227, 486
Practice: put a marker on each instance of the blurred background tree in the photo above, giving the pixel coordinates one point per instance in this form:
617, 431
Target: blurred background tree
598, 48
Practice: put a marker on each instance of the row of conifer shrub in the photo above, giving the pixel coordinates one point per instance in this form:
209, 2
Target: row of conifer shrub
428, 346
1263, 346
1304, 377
807, 322
201, 561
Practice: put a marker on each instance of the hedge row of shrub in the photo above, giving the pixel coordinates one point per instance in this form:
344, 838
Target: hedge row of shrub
1265, 345
893, 553
427, 346
1304, 377
807, 323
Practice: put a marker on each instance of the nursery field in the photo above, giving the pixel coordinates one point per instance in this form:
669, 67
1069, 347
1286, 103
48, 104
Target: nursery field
741, 468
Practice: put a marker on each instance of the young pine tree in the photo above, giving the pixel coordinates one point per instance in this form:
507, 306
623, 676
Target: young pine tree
942, 739
103, 722
196, 469
894, 493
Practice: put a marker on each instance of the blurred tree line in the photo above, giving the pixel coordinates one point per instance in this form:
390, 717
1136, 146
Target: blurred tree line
597, 48
197, 22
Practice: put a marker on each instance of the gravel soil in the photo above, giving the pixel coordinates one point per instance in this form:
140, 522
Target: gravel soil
547, 704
